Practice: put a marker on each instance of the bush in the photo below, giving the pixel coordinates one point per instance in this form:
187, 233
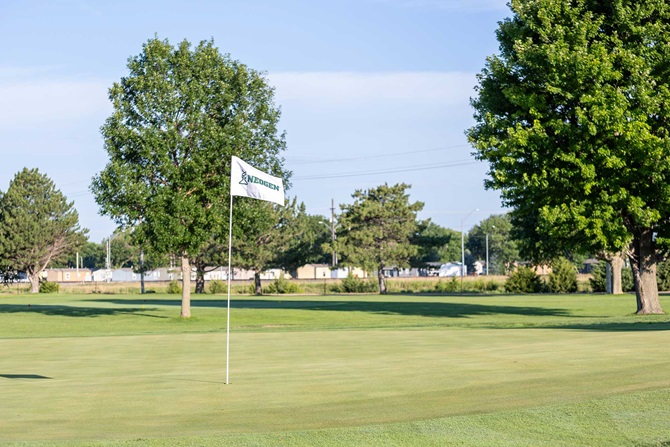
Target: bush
353, 284
174, 287
216, 286
524, 280
663, 275
563, 276
283, 285
49, 287
450, 286
598, 278
245, 289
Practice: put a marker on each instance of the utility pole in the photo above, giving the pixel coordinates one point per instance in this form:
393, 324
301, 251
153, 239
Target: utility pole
108, 261
332, 231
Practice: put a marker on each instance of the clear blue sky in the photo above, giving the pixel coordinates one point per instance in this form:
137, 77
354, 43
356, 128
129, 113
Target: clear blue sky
371, 91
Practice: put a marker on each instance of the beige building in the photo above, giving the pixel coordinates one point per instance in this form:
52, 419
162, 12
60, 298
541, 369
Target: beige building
68, 275
313, 271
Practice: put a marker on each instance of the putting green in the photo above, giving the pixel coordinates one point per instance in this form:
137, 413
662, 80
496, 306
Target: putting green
173, 385
338, 371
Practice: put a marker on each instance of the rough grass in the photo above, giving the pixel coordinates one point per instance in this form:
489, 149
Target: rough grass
338, 371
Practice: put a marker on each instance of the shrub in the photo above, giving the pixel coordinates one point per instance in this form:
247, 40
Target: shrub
174, 287
524, 280
246, 289
283, 285
598, 278
663, 275
450, 286
217, 286
353, 284
49, 287
563, 276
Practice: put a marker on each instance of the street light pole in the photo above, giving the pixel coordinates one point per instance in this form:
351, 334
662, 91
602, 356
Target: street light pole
487, 250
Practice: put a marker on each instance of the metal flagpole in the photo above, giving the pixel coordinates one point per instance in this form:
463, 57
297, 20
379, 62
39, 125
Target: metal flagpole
230, 251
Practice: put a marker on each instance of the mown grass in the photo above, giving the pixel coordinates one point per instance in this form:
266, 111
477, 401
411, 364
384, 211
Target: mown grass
549, 370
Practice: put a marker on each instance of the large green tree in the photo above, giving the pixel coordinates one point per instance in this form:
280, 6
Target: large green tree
179, 116
213, 254
502, 247
37, 225
376, 229
309, 234
259, 245
573, 115
435, 244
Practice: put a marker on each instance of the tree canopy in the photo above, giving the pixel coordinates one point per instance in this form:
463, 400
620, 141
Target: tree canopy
261, 244
37, 225
572, 116
435, 244
178, 117
376, 229
503, 250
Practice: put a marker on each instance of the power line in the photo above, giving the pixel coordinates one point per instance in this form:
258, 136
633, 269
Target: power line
367, 157
390, 171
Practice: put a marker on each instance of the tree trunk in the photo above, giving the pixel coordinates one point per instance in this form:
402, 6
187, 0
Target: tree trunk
199, 280
616, 266
141, 271
257, 283
643, 264
185, 287
34, 279
382, 281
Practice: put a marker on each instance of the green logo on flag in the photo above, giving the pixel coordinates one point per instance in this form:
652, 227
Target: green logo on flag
246, 180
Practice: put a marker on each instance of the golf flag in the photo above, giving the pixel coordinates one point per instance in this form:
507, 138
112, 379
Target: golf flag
247, 181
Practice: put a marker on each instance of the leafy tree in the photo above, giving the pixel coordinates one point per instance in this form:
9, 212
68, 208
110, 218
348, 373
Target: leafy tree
260, 246
309, 235
212, 255
377, 229
572, 116
123, 253
91, 256
503, 249
435, 244
37, 224
179, 116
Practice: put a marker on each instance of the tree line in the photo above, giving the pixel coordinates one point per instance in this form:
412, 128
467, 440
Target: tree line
39, 228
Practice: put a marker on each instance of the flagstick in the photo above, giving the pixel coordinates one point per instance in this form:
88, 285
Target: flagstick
230, 251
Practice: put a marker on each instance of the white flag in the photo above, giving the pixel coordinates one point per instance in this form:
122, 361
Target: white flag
247, 181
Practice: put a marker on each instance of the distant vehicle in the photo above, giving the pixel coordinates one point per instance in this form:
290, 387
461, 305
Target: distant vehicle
450, 269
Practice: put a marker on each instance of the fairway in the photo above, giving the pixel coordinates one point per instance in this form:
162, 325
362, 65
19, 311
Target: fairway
358, 370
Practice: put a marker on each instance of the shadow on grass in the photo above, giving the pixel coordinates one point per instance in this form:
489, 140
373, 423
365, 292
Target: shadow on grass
417, 308
73, 311
24, 376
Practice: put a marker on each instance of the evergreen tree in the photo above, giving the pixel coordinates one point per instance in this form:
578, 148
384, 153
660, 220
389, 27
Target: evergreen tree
377, 229
37, 225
